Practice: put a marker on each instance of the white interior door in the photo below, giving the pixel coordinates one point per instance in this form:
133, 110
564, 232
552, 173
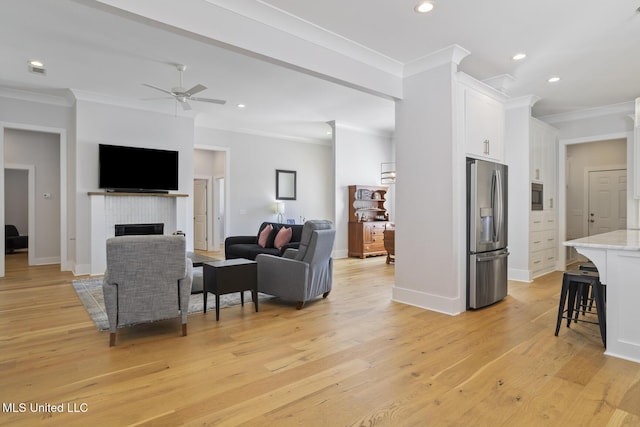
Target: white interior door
200, 214
607, 201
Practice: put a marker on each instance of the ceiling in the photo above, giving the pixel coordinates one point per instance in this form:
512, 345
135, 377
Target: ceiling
98, 50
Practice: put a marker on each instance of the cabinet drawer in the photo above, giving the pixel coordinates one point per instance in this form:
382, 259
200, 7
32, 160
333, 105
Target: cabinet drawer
537, 241
549, 257
549, 239
536, 222
536, 260
373, 247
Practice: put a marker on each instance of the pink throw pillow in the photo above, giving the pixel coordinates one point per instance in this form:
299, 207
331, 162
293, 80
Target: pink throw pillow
264, 235
283, 237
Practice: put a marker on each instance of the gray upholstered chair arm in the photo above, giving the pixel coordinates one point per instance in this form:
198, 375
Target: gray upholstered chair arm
282, 276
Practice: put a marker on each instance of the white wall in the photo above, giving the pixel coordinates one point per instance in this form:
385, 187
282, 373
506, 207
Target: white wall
102, 123
358, 156
251, 178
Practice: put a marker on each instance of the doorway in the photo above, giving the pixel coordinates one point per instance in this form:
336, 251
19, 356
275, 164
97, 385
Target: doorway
44, 149
578, 159
212, 165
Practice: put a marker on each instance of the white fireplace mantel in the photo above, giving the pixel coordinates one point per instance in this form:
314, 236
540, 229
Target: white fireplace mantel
109, 209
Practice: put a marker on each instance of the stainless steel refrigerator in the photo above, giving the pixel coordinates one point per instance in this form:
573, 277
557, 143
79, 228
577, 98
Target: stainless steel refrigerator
486, 232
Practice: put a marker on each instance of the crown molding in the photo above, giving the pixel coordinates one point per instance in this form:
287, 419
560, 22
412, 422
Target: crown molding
265, 134
522, 101
283, 21
624, 108
65, 99
451, 54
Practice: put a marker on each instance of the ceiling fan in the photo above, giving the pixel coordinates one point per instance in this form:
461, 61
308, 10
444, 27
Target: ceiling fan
182, 95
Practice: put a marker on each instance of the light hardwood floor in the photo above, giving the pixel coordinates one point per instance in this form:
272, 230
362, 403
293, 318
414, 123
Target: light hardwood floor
354, 359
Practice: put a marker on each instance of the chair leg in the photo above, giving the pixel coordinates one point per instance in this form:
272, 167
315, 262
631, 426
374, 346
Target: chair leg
299, 305
112, 339
184, 329
326, 294
563, 297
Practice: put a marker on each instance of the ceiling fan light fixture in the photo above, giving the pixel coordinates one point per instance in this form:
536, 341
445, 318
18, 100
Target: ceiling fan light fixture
424, 7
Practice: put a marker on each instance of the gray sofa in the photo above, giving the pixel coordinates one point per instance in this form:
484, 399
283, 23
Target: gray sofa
247, 246
148, 278
300, 274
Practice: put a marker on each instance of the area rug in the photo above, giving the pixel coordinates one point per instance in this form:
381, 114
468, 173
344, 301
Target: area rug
90, 293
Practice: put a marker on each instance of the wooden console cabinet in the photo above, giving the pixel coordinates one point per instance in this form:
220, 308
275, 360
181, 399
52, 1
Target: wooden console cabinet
368, 219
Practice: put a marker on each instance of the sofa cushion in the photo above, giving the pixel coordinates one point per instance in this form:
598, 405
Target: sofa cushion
250, 251
263, 237
283, 237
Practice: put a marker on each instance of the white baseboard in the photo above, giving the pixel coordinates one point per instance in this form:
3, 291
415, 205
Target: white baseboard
519, 275
340, 253
46, 261
440, 304
81, 269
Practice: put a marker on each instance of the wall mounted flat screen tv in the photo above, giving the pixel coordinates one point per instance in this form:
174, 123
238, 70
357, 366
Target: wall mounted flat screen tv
137, 169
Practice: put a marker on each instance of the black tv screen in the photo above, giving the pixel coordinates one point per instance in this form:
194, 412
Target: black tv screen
137, 169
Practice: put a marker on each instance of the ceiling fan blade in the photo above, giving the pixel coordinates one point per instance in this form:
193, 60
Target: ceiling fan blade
157, 88
213, 101
185, 105
155, 98
197, 88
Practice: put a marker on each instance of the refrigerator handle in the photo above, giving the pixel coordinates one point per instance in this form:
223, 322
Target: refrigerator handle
498, 208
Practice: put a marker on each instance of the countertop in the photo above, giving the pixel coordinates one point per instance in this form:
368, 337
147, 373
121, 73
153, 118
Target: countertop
626, 240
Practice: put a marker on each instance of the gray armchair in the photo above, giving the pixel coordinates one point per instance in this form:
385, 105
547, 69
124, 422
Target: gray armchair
148, 278
304, 273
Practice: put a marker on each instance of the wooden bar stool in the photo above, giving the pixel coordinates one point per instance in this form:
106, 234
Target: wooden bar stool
576, 283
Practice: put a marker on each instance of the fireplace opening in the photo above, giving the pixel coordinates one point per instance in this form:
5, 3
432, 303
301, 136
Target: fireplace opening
138, 229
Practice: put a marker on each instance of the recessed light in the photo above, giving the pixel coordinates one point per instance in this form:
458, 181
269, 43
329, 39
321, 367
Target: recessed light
241, 105
37, 67
553, 79
519, 56
424, 7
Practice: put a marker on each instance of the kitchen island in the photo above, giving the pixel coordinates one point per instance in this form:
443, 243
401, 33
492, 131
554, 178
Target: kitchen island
617, 256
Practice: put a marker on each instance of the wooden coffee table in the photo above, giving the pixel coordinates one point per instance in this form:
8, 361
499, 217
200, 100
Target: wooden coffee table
228, 276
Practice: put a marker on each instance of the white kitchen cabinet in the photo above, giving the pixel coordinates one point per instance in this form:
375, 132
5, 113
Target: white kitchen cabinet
483, 120
543, 242
543, 167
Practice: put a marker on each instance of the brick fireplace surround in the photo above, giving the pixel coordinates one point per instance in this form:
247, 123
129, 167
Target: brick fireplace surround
109, 209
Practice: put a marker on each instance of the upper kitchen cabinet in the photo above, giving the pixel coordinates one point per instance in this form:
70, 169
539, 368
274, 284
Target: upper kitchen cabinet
543, 166
483, 118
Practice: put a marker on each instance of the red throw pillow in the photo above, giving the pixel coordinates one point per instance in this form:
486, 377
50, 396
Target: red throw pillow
264, 235
283, 237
